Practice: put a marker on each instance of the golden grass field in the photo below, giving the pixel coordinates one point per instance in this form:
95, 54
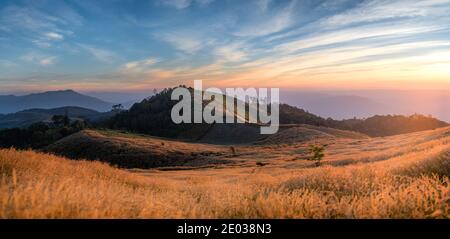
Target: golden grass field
404, 176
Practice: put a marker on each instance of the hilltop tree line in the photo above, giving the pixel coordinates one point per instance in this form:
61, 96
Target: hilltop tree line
153, 116
39, 135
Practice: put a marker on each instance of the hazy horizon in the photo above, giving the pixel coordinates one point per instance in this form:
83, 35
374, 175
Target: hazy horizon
337, 104
340, 59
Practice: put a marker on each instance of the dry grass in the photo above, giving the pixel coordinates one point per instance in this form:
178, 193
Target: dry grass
394, 177
134, 151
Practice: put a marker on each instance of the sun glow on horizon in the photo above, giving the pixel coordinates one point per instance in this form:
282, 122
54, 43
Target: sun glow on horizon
289, 44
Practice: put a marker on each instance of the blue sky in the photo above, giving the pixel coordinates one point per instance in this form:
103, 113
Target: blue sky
135, 45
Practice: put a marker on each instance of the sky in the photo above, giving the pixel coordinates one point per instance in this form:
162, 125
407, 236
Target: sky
111, 45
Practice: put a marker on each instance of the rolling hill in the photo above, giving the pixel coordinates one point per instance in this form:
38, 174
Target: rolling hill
218, 146
403, 176
136, 151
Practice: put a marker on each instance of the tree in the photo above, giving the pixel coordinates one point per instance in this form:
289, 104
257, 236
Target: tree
60, 120
317, 153
78, 125
39, 135
118, 107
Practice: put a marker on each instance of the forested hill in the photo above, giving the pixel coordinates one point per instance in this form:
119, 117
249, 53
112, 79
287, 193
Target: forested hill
152, 116
391, 124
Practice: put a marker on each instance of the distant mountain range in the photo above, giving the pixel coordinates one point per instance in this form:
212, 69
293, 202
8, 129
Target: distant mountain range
366, 103
49, 100
27, 117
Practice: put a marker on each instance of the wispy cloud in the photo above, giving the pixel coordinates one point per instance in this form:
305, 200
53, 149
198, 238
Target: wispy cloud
372, 11
33, 19
255, 42
48, 61
353, 34
182, 4
178, 4
184, 41
42, 43
102, 55
263, 4
47, 39
27, 18
232, 52
140, 66
54, 36
40, 27
41, 59
268, 23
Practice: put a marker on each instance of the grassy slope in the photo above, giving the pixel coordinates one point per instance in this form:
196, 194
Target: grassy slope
395, 177
136, 151
140, 151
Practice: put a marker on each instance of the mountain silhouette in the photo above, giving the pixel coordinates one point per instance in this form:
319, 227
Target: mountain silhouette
51, 99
